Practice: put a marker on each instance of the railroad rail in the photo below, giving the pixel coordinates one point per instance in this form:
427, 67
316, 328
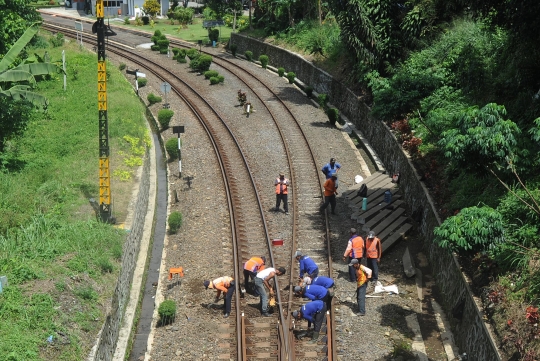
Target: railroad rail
259, 339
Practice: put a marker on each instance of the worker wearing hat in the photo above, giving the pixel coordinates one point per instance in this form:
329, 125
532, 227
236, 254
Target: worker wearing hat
261, 280
314, 312
307, 266
282, 184
373, 255
251, 267
314, 292
326, 282
331, 167
223, 284
330, 192
363, 274
355, 250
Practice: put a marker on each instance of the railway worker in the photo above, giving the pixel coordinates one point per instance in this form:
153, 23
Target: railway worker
314, 312
355, 250
363, 274
314, 292
308, 267
261, 280
331, 167
223, 284
251, 267
373, 255
330, 192
326, 282
282, 184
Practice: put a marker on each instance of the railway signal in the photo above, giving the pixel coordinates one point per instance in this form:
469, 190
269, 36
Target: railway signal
102, 31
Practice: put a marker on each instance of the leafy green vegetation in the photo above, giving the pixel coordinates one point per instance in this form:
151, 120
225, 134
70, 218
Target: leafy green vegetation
167, 312
164, 118
171, 146
175, 221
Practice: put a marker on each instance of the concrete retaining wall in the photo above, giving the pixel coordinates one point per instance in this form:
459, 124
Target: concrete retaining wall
470, 332
113, 323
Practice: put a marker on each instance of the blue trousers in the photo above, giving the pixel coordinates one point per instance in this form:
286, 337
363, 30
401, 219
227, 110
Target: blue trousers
373, 264
228, 297
361, 298
259, 286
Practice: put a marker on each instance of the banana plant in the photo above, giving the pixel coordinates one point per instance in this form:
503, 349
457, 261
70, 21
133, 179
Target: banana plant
17, 82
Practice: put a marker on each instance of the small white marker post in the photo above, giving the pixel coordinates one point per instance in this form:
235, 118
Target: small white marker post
64, 67
179, 130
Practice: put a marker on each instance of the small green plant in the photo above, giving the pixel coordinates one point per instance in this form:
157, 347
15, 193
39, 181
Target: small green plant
163, 50
167, 312
291, 76
221, 78
175, 51
309, 91
322, 99
154, 48
210, 73
57, 40
202, 63
264, 61
104, 265
153, 99
60, 286
145, 20
138, 21
242, 97
142, 82
233, 48
333, 115
192, 53
175, 221
281, 72
126, 20
214, 80
171, 146
213, 34
164, 118
122, 66
181, 60
163, 43
249, 55
86, 293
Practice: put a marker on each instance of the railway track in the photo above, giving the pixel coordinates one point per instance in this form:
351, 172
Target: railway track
257, 338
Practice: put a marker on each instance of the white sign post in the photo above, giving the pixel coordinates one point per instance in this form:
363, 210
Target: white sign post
79, 28
165, 88
64, 67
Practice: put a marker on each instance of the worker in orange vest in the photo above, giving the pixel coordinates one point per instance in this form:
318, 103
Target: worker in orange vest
330, 192
282, 185
355, 250
373, 254
223, 284
363, 274
251, 268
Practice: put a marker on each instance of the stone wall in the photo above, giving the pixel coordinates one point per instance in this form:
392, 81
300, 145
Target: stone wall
470, 332
113, 323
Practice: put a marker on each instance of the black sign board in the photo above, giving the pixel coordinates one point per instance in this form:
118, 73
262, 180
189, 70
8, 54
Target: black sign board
178, 129
212, 23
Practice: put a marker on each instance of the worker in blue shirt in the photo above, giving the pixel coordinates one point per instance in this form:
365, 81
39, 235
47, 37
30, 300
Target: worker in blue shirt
314, 292
307, 266
313, 311
330, 168
326, 282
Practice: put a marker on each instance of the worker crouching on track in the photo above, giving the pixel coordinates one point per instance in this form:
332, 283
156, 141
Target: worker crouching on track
226, 285
314, 312
251, 268
261, 280
314, 292
363, 274
307, 266
326, 282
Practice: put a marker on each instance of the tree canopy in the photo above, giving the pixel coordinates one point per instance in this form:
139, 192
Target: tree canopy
16, 17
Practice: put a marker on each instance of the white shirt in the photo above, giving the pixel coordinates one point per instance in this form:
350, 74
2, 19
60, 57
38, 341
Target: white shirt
265, 273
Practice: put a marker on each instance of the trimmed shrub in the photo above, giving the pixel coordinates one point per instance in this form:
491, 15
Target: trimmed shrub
333, 115
192, 53
213, 34
309, 91
142, 82
323, 99
264, 61
164, 117
176, 51
167, 312
153, 99
171, 146
182, 53
163, 43
233, 48
281, 71
126, 20
155, 47
175, 221
210, 73
145, 20
181, 59
249, 55
202, 63
221, 78
163, 50
214, 80
291, 76
122, 66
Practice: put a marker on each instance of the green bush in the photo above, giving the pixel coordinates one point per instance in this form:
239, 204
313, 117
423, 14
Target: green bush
214, 80
291, 76
155, 47
167, 312
122, 66
309, 91
176, 51
281, 71
86, 293
163, 43
145, 20
210, 73
221, 78
233, 48
264, 61
333, 115
249, 55
164, 117
142, 82
192, 53
322, 99
182, 60
153, 99
104, 264
202, 63
126, 20
57, 40
175, 221
163, 50
182, 53
171, 146
213, 34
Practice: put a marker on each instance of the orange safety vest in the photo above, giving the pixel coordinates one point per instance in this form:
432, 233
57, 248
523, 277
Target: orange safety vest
357, 247
373, 248
361, 277
222, 283
329, 187
278, 186
255, 264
